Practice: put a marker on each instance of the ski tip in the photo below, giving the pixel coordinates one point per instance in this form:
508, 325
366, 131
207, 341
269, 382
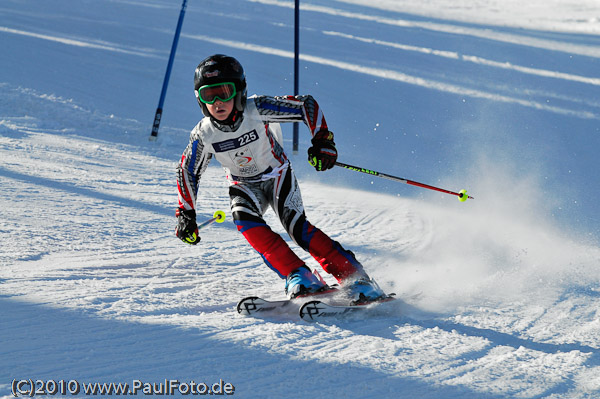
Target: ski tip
311, 310
246, 305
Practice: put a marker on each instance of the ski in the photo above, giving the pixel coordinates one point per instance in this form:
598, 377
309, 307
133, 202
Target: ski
316, 310
254, 305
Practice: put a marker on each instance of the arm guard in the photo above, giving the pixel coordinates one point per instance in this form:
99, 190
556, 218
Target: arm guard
194, 161
292, 109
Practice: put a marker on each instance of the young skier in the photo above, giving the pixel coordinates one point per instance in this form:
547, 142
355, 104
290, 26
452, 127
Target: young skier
244, 135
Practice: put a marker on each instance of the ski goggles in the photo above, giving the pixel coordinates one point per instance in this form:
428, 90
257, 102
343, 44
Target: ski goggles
208, 94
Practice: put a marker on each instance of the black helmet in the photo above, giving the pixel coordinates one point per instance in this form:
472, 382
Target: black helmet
221, 68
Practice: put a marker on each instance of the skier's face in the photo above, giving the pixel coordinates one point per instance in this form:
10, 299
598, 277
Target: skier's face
220, 110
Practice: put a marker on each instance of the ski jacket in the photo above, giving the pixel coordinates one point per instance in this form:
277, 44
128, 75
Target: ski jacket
251, 150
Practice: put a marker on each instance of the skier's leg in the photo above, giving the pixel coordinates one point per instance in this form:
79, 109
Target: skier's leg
287, 203
330, 254
247, 209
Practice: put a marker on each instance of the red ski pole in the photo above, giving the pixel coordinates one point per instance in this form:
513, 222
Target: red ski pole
462, 194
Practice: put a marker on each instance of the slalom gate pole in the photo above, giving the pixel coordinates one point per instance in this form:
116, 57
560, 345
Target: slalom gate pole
218, 217
462, 194
163, 93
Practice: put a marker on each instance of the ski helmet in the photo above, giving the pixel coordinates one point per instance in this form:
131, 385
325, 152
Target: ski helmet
221, 68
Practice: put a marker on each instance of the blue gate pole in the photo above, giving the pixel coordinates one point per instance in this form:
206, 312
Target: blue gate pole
163, 92
296, 65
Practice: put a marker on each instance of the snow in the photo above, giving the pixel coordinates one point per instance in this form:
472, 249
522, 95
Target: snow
500, 295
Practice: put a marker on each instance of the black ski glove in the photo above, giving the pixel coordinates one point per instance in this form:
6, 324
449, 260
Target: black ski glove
322, 155
187, 229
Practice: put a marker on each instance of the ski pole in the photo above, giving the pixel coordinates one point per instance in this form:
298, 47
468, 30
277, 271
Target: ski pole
163, 92
219, 217
462, 194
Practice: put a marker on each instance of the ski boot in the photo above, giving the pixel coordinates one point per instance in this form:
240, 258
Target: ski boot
303, 282
360, 288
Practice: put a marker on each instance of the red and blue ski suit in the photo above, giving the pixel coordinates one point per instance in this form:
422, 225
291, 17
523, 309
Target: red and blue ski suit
260, 175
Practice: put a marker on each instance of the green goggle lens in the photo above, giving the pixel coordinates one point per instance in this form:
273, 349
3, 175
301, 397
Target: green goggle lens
208, 94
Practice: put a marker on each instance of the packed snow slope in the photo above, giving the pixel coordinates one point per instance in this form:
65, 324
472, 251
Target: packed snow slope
500, 295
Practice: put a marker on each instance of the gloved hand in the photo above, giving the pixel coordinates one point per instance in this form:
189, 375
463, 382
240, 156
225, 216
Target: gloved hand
322, 155
187, 229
